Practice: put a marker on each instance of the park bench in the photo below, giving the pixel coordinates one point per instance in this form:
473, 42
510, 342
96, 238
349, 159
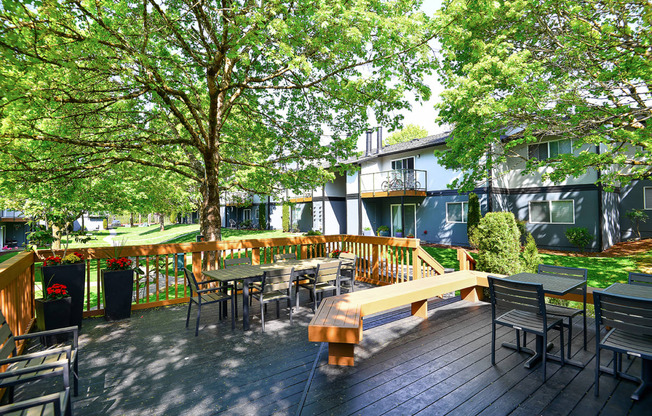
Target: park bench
338, 320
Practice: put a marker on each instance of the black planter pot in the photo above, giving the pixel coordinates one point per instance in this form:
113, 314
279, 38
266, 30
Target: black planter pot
71, 275
118, 289
53, 314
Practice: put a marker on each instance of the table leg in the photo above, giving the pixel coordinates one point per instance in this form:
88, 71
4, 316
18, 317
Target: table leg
646, 381
536, 354
245, 304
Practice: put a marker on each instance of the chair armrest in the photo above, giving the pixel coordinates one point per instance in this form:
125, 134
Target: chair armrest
44, 353
204, 282
53, 398
214, 289
61, 364
70, 329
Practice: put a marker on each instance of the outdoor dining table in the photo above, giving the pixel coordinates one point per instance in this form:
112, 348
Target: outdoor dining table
635, 291
558, 285
252, 273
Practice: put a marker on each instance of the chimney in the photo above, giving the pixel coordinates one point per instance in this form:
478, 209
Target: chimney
379, 138
368, 149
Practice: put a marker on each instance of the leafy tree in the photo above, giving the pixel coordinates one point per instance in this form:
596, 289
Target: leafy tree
518, 72
409, 132
580, 237
262, 216
473, 217
531, 257
231, 95
637, 216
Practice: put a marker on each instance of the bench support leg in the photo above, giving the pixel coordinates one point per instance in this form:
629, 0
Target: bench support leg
472, 294
340, 354
420, 309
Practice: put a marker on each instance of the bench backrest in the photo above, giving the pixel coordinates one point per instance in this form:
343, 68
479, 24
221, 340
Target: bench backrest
640, 278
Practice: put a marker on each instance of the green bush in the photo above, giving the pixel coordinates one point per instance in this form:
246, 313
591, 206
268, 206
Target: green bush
523, 233
473, 217
313, 232
105, 224
531, 258
499, 248
637, 216
580, 237
286, 217
262, 216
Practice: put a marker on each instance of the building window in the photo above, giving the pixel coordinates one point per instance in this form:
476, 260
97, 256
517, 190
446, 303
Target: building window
550, 150
647, 196
400, 164
246, 214
552, 212
457, 211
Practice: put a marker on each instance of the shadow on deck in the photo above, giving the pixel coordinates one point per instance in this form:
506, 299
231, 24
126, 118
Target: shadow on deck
152, 365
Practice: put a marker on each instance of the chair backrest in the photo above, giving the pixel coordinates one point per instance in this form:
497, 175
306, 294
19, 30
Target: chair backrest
511, 294
623, 312
285, 256
277, 279
348, 259
572, 272
237, 261
327, 271
192, 282
640, 278
7, 339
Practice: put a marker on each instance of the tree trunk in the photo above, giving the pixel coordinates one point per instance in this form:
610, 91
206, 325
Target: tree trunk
210, 218
56, 244
83, 227
131, 219
161, 221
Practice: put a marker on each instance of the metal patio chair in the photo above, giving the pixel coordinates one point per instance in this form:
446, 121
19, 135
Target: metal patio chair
207, 296
527, 314
563, 311
285, 256
639, 278
630, 320
326, 278
275, 287
348, 267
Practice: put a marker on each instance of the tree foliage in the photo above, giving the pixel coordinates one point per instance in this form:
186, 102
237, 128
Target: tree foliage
499, 248
409, 132
473, 218
519, 72
230, 95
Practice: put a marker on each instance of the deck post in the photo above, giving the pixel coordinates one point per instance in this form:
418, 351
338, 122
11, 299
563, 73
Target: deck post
340, 354
420, 309
255, 255
472, 294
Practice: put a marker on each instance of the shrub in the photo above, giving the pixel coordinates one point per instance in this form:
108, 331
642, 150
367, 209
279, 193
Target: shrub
637, 216
105, 224
262, 216
531, 258
523, 233
313, 232
499, 248
245, 224
286, 217
473, 218
580, 237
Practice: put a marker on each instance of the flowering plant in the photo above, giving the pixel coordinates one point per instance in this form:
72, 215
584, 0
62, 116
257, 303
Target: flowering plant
121, 263
56, 291
69, 259
52, 261
336, 253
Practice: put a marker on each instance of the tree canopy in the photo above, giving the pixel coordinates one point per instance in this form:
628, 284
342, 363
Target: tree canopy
409, 132
519, 72
228, 95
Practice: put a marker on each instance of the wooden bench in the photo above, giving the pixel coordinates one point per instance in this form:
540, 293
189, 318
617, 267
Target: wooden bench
338, 320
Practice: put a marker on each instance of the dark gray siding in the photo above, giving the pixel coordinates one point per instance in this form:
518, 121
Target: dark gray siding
631, 197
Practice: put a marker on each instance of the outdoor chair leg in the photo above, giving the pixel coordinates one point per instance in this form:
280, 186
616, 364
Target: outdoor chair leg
76, 378
234, 308
597, 365
561, 339
198, 315
278, 309
545, 352
188, 317
493, 343
570, 335
518, 340
262, 315
290, 306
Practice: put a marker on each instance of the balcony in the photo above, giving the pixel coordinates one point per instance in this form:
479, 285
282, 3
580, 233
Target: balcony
12, 216
305, 197
399, 182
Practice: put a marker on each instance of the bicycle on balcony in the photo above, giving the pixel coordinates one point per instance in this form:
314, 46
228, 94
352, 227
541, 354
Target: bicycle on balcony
393, 183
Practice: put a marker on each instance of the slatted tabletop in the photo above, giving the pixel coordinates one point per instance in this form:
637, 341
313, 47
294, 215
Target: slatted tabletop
552, 284
637, 291
241, 272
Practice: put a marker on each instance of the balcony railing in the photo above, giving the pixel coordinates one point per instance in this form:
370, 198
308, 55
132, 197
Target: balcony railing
398, 180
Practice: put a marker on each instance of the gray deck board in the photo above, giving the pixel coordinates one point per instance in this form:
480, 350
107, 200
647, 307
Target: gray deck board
152, 365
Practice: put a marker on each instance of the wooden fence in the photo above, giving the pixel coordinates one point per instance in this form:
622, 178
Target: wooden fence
17, 293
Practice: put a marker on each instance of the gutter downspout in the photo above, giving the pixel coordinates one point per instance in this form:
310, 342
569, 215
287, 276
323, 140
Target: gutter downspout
600, 205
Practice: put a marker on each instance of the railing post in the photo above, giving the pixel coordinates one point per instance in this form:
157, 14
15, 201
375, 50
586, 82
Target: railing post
374, 262
255, 255
416, 270
196, 265
304, 250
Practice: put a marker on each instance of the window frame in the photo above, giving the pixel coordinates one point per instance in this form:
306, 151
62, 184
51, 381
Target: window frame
244, 214
550, 203
547, 144
645, 207
391, 163
467, 213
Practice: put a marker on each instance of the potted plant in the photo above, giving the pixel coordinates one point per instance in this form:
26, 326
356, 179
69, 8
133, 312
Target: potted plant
53, 311
367, 231
70, 272
410, 235
118, 288
383, 231
336, 253
398, 233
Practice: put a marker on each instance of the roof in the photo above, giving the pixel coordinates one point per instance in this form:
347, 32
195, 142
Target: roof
416, 144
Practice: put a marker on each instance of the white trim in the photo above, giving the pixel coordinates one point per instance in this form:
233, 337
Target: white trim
456, 222
403, 158
548, 147
529, 210
391, 219
244, 214
645, 188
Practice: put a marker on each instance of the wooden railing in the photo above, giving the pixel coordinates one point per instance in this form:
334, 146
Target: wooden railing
17, 293
383, 261
466, 261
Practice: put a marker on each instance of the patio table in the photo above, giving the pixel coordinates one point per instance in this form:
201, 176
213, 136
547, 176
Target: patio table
251, 273
635, 291
558, 285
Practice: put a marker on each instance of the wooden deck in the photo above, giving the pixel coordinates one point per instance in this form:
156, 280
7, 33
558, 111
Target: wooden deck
152, 365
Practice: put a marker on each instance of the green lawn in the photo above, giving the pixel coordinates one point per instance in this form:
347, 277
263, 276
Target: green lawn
7, 256
603, 271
